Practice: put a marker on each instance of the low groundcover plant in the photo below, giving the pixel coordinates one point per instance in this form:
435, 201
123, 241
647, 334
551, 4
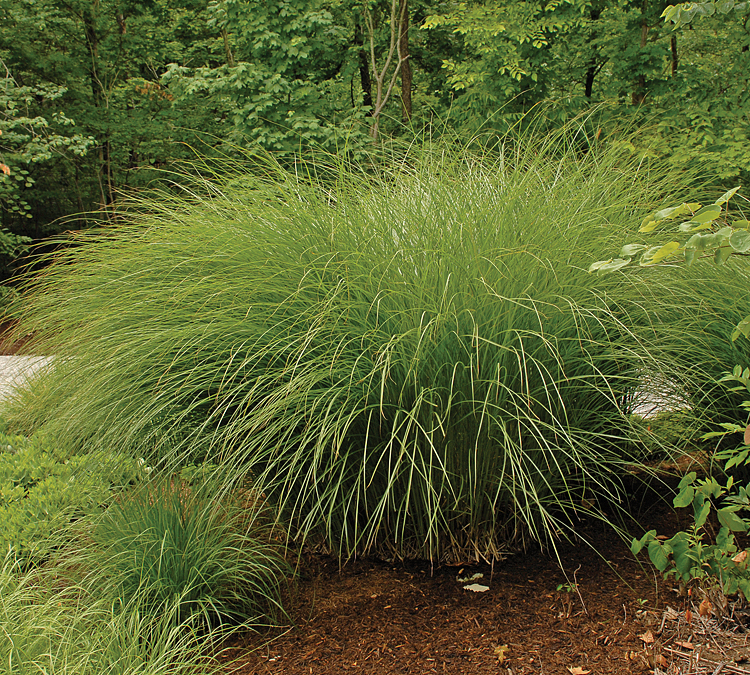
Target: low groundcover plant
412, 357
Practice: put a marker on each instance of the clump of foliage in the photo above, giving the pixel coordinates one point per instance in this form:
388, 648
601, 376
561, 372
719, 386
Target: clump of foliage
43, 488
409, 359
168, 544
695, 556
51, 626
698, 555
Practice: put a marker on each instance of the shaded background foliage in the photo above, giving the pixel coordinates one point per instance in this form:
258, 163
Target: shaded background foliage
99, 96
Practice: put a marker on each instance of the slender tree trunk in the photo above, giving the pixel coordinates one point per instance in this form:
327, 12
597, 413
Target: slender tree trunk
406, 74
594, 68
227, 48
384, 84
675, 57
364, 66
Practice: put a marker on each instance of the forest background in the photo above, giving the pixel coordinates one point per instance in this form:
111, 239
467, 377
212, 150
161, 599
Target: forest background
100, 97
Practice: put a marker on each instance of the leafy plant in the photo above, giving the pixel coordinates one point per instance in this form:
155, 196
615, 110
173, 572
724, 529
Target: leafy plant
694, 555
408, 359
43, 488
704, 231
169, 545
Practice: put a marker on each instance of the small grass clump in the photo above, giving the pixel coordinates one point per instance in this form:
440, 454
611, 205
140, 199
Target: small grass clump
167, 544
413, 359
49, 626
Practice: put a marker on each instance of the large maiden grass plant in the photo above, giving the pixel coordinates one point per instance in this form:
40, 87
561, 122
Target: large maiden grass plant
412, 358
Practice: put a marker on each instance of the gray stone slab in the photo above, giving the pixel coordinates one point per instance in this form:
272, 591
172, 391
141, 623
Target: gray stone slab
15, 370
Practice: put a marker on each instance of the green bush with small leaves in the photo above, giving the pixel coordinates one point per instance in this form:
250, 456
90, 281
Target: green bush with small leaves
42, 489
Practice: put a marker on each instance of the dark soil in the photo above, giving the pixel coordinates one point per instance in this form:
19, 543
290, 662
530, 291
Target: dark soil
9, 346
603, 613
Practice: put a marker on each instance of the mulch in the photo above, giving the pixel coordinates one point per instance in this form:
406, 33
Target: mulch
593, 612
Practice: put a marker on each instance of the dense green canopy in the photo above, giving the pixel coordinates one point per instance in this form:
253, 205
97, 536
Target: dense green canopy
99, 95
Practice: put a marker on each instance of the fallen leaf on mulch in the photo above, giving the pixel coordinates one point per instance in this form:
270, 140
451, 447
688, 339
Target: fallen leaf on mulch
473, 577
576, 670
501, 652
705, 608
647, 637
477, 588
684, 645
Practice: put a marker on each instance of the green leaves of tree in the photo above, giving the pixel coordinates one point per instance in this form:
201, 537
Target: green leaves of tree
721, 240
685, 12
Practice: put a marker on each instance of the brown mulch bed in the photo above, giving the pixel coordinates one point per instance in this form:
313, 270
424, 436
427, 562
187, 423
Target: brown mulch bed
371, 616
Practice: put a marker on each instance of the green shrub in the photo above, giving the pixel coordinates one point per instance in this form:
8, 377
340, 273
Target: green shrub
411, 360
43, 488
168, 544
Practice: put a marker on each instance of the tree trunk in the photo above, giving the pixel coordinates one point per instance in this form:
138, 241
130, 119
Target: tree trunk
227, 48
675, 57
364, 66
594, 68
406, 74
99, 94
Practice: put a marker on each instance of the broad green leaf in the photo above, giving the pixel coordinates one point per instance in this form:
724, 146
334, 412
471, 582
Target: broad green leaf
687, 479
701, 513
725, 539
680, 545
648, 257
648, 225
666, 213
731, 585
692, 226
665, 251
637, 544
742, 328
607, 266
595, 266
659, 554
744, 224
726, 196
690, 255
697, 242
723, 234
669, 13
728, 518
739, 240
684, 497
629, 250
722, 254
707, 214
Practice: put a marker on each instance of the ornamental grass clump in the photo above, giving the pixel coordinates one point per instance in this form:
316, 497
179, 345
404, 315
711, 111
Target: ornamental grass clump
49, 625
412, 357
171, 545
